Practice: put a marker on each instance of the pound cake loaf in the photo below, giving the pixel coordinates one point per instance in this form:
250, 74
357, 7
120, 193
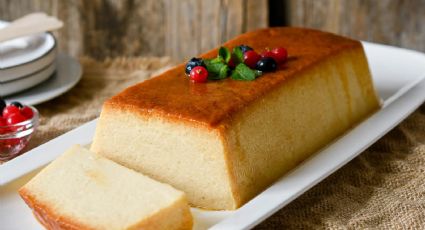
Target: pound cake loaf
81, 190
223, 142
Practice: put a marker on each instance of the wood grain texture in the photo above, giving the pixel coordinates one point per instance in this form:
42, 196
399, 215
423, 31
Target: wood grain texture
176, 28
394, 22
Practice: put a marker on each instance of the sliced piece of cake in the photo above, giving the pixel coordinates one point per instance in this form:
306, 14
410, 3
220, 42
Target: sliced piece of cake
224, 141
81, 190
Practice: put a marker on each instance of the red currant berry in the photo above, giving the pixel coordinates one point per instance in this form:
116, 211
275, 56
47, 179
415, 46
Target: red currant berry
267, 53
14, 141
9, 110
15, 119
231, 63
251, 58
3, 122
4, 127
280, 54
27, 112
199, 74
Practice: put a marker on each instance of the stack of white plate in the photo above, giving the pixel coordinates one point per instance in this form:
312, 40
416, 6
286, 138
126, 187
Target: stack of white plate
26, 62
30, 67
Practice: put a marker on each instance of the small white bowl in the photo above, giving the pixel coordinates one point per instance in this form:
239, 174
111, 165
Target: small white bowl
14, 138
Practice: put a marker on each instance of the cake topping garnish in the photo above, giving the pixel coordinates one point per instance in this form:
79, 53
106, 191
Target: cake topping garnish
192, 63
199, 74
244, 73
280, 54
266, 64
243, 63
245, 48
250, 58
267, 53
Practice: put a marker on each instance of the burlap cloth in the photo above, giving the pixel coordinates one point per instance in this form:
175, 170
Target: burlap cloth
382, 188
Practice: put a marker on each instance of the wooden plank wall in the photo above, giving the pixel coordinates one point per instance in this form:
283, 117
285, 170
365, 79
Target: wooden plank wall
183, 28
177, 28
395, 22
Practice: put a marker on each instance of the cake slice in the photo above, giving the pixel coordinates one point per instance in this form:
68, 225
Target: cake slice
81, 190
225, 141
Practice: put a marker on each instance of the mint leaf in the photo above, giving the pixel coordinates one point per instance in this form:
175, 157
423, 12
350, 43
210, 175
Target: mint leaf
224, 53
243, 73
237, 54
216, 69
218, 59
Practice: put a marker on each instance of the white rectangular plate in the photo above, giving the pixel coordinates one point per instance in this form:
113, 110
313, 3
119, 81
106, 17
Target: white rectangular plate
398, 76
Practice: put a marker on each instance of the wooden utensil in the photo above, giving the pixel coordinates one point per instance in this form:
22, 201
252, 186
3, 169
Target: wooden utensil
30, 24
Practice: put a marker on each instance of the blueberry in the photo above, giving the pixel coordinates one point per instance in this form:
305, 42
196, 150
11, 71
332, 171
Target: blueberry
17, 104
192, 63
245, 48
266, 64
2, 105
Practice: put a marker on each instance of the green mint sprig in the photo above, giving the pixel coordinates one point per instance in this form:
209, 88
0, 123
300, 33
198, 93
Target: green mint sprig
225, 54
237, 55
244, 73
218, 68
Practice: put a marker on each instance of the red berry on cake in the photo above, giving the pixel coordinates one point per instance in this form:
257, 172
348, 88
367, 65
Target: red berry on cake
231, 63
251, 58
199, 74
267, 53
280, 54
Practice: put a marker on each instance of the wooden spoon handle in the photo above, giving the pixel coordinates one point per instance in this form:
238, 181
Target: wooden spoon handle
29, 24
29, 17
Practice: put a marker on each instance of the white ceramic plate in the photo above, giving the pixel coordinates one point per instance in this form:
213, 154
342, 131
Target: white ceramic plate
68, 73
25, 55
23, 83
398, 76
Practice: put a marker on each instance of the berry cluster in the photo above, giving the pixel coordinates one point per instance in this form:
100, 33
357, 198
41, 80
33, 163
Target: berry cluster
196, 70
242, 64
14, 113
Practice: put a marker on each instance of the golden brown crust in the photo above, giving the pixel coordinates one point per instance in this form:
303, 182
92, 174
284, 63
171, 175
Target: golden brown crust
47, 217
213, 104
